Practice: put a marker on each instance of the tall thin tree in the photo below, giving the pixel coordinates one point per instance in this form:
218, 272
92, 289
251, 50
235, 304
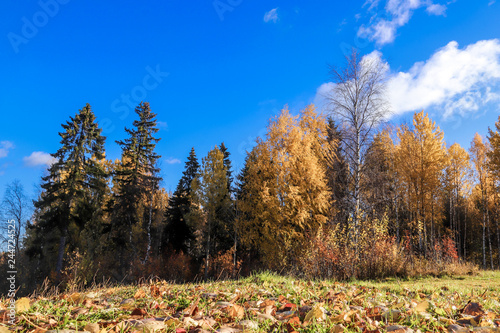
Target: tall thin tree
137, 178
358, 103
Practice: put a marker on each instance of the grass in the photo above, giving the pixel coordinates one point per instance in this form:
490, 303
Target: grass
428, 304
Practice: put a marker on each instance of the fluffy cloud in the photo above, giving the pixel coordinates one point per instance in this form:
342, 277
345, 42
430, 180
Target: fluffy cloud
172, 160
460, 80
5, 147
38, 158
271, 15
436, 9
396, 14
454, 80
162, 124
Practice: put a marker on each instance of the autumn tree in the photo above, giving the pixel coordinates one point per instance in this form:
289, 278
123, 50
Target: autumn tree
494, 167
378, 184
420, 162
457, 178
358, 103
75, 184
285, 197
479, 155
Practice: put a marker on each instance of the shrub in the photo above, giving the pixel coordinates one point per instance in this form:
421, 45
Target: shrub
222, 266
365, 251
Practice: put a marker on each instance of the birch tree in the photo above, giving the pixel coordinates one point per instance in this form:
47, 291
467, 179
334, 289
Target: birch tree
358, 103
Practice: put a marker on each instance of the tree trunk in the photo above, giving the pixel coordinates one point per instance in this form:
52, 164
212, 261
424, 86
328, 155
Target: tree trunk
397, 221
60, 255
484, 234
148, 249
465, 233
234, 254
498, 234
207, 253
489, 237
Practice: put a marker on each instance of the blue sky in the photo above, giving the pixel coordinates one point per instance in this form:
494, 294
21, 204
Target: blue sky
216, 71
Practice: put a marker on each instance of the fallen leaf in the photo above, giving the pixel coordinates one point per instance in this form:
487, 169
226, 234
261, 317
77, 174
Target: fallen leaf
228, 330
22, 304
138, 312
127, 303
294, 321
316, 313
92, 328
422, 306
248, 325
337, 329
192, 310
140, 293
457, 329
472, 309
76, 298
155, 291
234, 311
288, 307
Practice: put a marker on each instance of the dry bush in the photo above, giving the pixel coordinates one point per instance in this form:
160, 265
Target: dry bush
73, 274
362, 252
222, 266
176, 266
444, 262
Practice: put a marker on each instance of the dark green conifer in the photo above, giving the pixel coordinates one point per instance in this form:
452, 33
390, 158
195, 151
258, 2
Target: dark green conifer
178, 235
76, 182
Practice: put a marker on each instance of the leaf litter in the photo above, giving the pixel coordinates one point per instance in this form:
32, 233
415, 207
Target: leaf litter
256, 304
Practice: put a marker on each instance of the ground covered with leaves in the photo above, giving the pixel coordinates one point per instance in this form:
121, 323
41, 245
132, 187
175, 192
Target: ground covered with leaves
268, 303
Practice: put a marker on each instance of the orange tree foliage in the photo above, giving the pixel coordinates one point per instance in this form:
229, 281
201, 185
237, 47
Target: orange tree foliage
286, 197
479, 151
420, 161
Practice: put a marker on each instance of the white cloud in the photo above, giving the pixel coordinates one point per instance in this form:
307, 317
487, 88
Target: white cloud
162, 124
322, 93
458, 81
271, 15
172, 160
5, 146
492, 2
436, 9
396, 14
38, 158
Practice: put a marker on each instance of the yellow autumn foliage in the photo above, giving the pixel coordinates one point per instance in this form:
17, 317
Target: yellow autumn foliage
287, 197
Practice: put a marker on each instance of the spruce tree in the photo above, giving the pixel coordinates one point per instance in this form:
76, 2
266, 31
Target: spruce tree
76, 181
337, 175
137, 179
226, 210
227, 164
178, 233
210, 195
